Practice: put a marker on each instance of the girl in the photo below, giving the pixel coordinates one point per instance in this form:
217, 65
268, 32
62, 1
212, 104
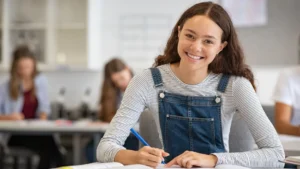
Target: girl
24, 97
116, 79
193, 91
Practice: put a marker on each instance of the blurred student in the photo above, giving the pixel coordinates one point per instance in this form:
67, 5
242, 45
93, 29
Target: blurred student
24, 96
287, 102
117, 76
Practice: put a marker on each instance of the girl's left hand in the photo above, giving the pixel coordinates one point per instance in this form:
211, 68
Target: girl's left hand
190, 159
43, 116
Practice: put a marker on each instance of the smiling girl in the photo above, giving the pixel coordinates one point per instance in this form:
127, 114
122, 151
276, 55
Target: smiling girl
193, 91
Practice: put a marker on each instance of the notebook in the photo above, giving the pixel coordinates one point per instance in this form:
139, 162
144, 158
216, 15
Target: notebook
116, 165
295, 159
292, 160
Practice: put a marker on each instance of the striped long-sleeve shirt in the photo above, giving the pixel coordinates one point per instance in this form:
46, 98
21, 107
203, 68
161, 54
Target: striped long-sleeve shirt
239, 97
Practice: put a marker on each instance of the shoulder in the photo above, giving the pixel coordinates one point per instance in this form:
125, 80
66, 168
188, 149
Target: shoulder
40, 79
240, 83
41, 82
4, 87
143, 77
291, 74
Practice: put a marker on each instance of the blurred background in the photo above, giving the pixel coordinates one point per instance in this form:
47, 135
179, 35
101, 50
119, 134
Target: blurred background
73, 39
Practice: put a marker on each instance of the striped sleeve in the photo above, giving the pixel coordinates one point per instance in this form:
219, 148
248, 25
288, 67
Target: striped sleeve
270, 149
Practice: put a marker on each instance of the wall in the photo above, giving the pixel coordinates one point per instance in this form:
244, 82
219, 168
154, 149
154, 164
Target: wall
277, 42
273, 44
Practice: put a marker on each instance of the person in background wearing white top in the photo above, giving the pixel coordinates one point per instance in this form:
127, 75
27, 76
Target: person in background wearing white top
287, 102
193, 91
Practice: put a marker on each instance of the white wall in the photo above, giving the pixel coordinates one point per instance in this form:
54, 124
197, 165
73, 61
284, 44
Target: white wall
277, 42
273, 44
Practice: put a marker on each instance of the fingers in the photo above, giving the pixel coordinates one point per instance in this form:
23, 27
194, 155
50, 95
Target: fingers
192, 163
174, 161
184, 161
150, 164
181, 160
165, 154
152, 156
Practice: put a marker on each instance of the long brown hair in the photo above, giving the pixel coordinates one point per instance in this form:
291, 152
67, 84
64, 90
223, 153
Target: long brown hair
21, 52
229, 61
110, 91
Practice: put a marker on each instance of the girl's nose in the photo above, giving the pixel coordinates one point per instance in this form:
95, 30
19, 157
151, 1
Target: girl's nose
196, 47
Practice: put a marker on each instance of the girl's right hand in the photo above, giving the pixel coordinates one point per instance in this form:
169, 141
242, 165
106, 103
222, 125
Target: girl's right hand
16, 116
150, 156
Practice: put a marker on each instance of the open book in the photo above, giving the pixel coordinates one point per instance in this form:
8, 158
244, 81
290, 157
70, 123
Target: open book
116, 165
293, 160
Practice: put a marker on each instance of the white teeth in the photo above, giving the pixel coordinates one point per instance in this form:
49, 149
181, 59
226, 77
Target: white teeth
194, 57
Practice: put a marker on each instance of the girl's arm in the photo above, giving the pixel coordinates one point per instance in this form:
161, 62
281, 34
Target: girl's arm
133, 103
270, 149
43, 97
283, 114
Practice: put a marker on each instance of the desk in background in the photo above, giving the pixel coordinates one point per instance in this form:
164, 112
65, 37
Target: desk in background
76, 129
291, 144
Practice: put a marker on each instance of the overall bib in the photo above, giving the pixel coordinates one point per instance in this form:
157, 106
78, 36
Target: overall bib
190, 122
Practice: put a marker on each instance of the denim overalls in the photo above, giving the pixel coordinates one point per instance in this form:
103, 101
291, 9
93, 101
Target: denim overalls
190, 122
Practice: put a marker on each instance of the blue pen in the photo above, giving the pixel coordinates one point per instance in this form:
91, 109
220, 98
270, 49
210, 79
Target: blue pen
139, 137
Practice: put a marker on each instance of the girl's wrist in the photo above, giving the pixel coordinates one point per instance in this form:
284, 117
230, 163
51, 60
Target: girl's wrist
214, 159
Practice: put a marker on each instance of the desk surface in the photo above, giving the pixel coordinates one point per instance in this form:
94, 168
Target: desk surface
290, 143
58, 126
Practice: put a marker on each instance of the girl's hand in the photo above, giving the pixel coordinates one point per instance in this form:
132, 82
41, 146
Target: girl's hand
15, 116
150, 156
43, 116
190, 159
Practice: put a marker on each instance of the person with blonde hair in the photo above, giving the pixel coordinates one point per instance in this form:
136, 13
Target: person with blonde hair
24, 97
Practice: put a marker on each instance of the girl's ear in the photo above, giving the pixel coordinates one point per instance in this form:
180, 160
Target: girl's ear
179, 31
223, 45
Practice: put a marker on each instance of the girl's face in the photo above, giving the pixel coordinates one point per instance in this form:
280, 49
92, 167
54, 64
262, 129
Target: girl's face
25, 68
121, 79
199, 42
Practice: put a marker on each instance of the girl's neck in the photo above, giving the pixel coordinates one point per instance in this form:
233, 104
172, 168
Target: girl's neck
189, 76
27, 83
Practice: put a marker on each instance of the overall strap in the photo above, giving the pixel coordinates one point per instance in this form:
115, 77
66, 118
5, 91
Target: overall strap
223, 83
156, 77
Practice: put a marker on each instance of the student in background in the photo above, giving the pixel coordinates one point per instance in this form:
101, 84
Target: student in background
193, 91
117, 76
287, 102
24, 96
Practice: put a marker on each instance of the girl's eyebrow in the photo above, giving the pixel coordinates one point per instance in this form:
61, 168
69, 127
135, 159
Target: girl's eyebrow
206, 36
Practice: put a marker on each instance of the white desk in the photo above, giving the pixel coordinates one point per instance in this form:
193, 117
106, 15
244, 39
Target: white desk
291, 144
54, 127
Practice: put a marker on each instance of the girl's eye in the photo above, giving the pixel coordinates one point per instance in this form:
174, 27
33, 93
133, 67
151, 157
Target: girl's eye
190, 36
208, 41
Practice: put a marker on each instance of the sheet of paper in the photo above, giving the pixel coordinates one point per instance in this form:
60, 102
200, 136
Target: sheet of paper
161, 166
228, 166
98, 166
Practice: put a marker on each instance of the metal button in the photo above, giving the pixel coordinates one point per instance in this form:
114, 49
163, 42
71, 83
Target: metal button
218, 100
161, 95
